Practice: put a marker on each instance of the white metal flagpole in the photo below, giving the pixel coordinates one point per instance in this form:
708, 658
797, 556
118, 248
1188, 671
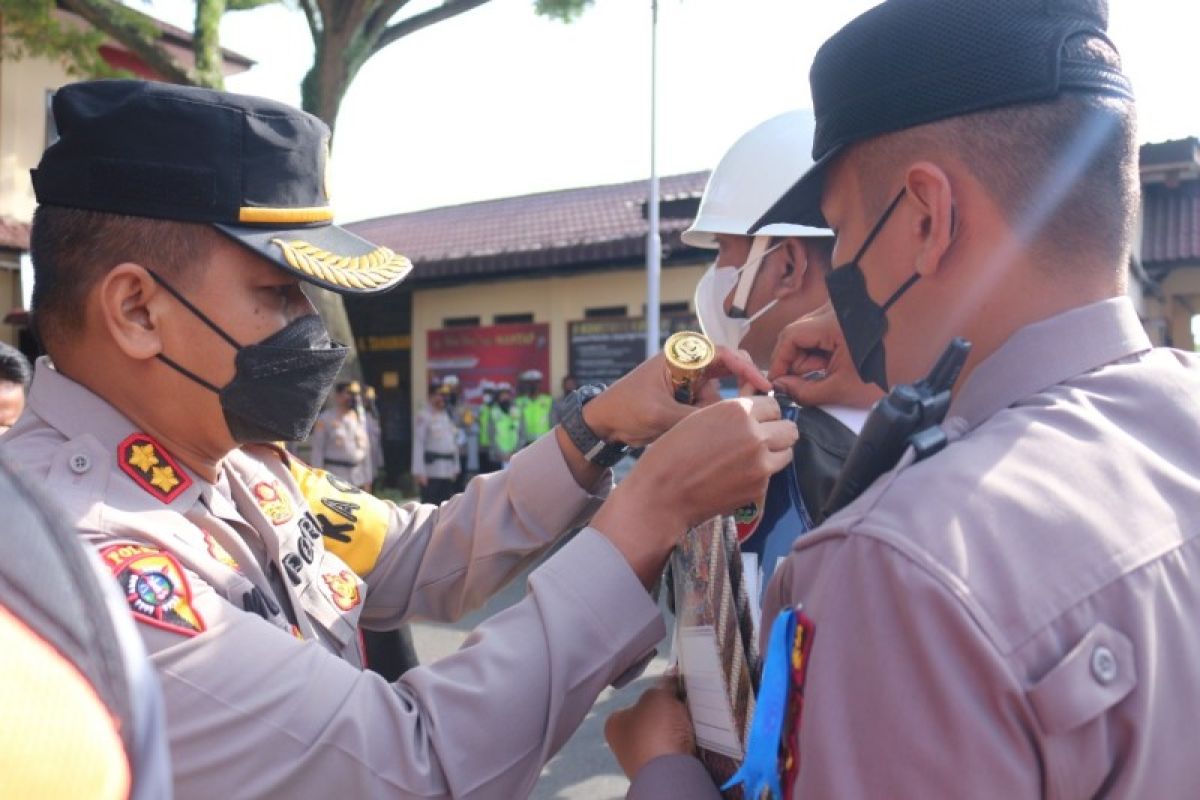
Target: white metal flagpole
653, 238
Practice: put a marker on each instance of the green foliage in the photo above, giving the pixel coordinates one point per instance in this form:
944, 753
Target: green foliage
561, 10
31, 29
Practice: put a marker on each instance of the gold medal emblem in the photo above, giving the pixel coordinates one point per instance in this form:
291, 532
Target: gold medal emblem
688, 356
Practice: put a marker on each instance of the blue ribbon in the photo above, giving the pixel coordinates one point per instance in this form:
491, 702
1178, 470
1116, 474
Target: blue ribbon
760, 770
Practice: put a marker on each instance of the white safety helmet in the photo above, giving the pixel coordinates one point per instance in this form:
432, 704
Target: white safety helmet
752, 175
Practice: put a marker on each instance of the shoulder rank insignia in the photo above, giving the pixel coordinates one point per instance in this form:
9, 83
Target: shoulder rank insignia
343, 586
152, 468
155, 586
273, 500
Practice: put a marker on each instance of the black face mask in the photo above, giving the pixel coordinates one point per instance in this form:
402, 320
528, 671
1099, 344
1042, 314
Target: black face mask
505, 405
863, 321
279, 384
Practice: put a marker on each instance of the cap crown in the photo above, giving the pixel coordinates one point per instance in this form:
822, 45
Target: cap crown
183, 153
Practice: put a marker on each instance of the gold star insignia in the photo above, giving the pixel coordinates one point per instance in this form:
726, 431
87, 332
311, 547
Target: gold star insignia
143, 457
164, 478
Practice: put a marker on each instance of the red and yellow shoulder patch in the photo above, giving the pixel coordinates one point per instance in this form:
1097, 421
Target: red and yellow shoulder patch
152, 467
155, 586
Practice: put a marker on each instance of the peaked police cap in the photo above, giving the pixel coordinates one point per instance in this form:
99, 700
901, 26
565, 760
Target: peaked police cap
905, 63
255, 169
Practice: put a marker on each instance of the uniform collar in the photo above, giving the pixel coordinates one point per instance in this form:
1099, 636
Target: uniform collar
75, 411
1048, 353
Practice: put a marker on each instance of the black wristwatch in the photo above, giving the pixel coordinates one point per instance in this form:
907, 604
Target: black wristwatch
594, 449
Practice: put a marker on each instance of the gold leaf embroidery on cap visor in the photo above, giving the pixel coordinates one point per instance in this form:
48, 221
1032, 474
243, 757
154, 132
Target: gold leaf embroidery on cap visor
374, 270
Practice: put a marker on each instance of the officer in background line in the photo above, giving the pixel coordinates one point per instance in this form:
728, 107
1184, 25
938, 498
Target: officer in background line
504, 426
534, 405
435, 459
340, 441
374, 436
15, 374
487, 403
558, 409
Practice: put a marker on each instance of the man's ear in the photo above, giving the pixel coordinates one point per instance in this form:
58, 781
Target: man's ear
793, 271
132, 306
931, 216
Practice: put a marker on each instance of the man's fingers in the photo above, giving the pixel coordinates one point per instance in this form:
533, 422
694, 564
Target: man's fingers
809, 392
763, 409
781, 434
709, 393
739, 365
778, 459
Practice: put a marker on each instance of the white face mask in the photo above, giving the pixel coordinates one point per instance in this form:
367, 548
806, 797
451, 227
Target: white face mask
713, 289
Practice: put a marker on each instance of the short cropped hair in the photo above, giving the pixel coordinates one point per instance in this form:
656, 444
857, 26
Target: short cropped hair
72, 249
14, 367
1063, 172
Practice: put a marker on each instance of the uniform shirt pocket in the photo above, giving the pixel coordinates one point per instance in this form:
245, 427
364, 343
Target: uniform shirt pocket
1072, 701
1096, 675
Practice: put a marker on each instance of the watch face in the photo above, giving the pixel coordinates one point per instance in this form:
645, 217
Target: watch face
589, 391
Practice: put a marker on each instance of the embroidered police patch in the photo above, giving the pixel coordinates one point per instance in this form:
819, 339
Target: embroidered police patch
343, 588
152, 468
155, 586
273, 500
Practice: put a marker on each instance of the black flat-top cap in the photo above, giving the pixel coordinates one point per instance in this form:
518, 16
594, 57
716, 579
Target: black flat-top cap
909, 62
255, 169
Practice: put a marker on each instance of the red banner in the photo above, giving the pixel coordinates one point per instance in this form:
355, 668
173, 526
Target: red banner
497, 353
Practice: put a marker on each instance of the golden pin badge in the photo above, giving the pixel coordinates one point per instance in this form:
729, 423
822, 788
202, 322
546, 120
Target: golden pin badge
688, 356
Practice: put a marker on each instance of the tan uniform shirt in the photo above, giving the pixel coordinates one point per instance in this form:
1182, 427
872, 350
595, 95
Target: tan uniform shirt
250, 613
341, 445
435, 444
1017, 615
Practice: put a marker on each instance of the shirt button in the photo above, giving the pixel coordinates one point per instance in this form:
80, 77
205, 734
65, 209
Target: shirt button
1104, 665
80, 463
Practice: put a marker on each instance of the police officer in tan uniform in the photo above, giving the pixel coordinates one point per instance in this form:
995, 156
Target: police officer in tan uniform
1014, 616
174, 228
340, 441
435, 463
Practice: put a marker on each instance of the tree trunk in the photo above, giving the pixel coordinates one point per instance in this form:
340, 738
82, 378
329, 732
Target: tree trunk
206, 43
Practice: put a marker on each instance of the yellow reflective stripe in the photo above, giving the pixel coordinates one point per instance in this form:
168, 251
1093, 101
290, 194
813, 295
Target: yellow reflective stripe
285, 215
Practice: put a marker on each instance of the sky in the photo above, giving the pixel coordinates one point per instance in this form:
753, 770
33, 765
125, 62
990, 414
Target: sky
498, 102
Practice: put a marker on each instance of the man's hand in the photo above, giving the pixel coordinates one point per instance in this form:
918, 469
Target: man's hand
421, 480
718, 458
656, 725
641, 406
812, 364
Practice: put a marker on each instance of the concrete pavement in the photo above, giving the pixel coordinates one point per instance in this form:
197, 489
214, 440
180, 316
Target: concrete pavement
584, 769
